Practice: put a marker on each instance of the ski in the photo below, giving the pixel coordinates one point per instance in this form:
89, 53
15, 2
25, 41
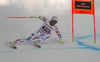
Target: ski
13, 46
37, 45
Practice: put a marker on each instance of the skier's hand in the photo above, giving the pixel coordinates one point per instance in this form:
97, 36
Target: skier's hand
61, 41
42, 18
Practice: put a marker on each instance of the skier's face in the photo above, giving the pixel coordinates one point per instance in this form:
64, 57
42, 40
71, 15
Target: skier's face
53, 22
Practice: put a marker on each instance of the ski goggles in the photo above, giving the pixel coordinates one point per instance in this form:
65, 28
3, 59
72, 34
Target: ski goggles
54, 21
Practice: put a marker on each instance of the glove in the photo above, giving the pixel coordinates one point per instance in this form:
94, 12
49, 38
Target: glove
61, 41
42, 18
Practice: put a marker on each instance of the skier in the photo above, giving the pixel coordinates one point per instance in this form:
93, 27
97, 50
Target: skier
43, 33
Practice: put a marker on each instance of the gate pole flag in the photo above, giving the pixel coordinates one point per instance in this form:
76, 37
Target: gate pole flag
83, 7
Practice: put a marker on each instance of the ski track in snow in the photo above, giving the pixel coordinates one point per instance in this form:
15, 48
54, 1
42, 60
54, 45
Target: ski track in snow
77, 39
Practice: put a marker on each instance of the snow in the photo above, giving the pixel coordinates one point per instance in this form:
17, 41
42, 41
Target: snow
83, 49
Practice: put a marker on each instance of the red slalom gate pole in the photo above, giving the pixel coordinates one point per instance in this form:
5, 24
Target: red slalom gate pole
94, 22
72, 29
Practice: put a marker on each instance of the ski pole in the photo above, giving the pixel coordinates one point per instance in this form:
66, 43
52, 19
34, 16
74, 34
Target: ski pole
22, 17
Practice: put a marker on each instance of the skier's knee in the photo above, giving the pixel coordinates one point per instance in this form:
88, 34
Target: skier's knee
32, 34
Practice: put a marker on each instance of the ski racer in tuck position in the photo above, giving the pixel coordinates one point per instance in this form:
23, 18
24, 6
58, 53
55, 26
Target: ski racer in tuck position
43, 33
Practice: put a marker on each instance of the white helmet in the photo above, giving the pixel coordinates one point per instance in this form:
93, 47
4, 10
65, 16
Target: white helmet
54, 18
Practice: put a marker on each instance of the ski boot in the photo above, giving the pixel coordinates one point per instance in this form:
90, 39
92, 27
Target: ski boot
36, 42
13, 42
61, 41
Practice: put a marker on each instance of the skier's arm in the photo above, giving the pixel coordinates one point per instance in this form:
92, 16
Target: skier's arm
59, 35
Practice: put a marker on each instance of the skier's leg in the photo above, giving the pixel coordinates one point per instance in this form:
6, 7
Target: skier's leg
20, 41
33, 36
41, 38
44, 37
